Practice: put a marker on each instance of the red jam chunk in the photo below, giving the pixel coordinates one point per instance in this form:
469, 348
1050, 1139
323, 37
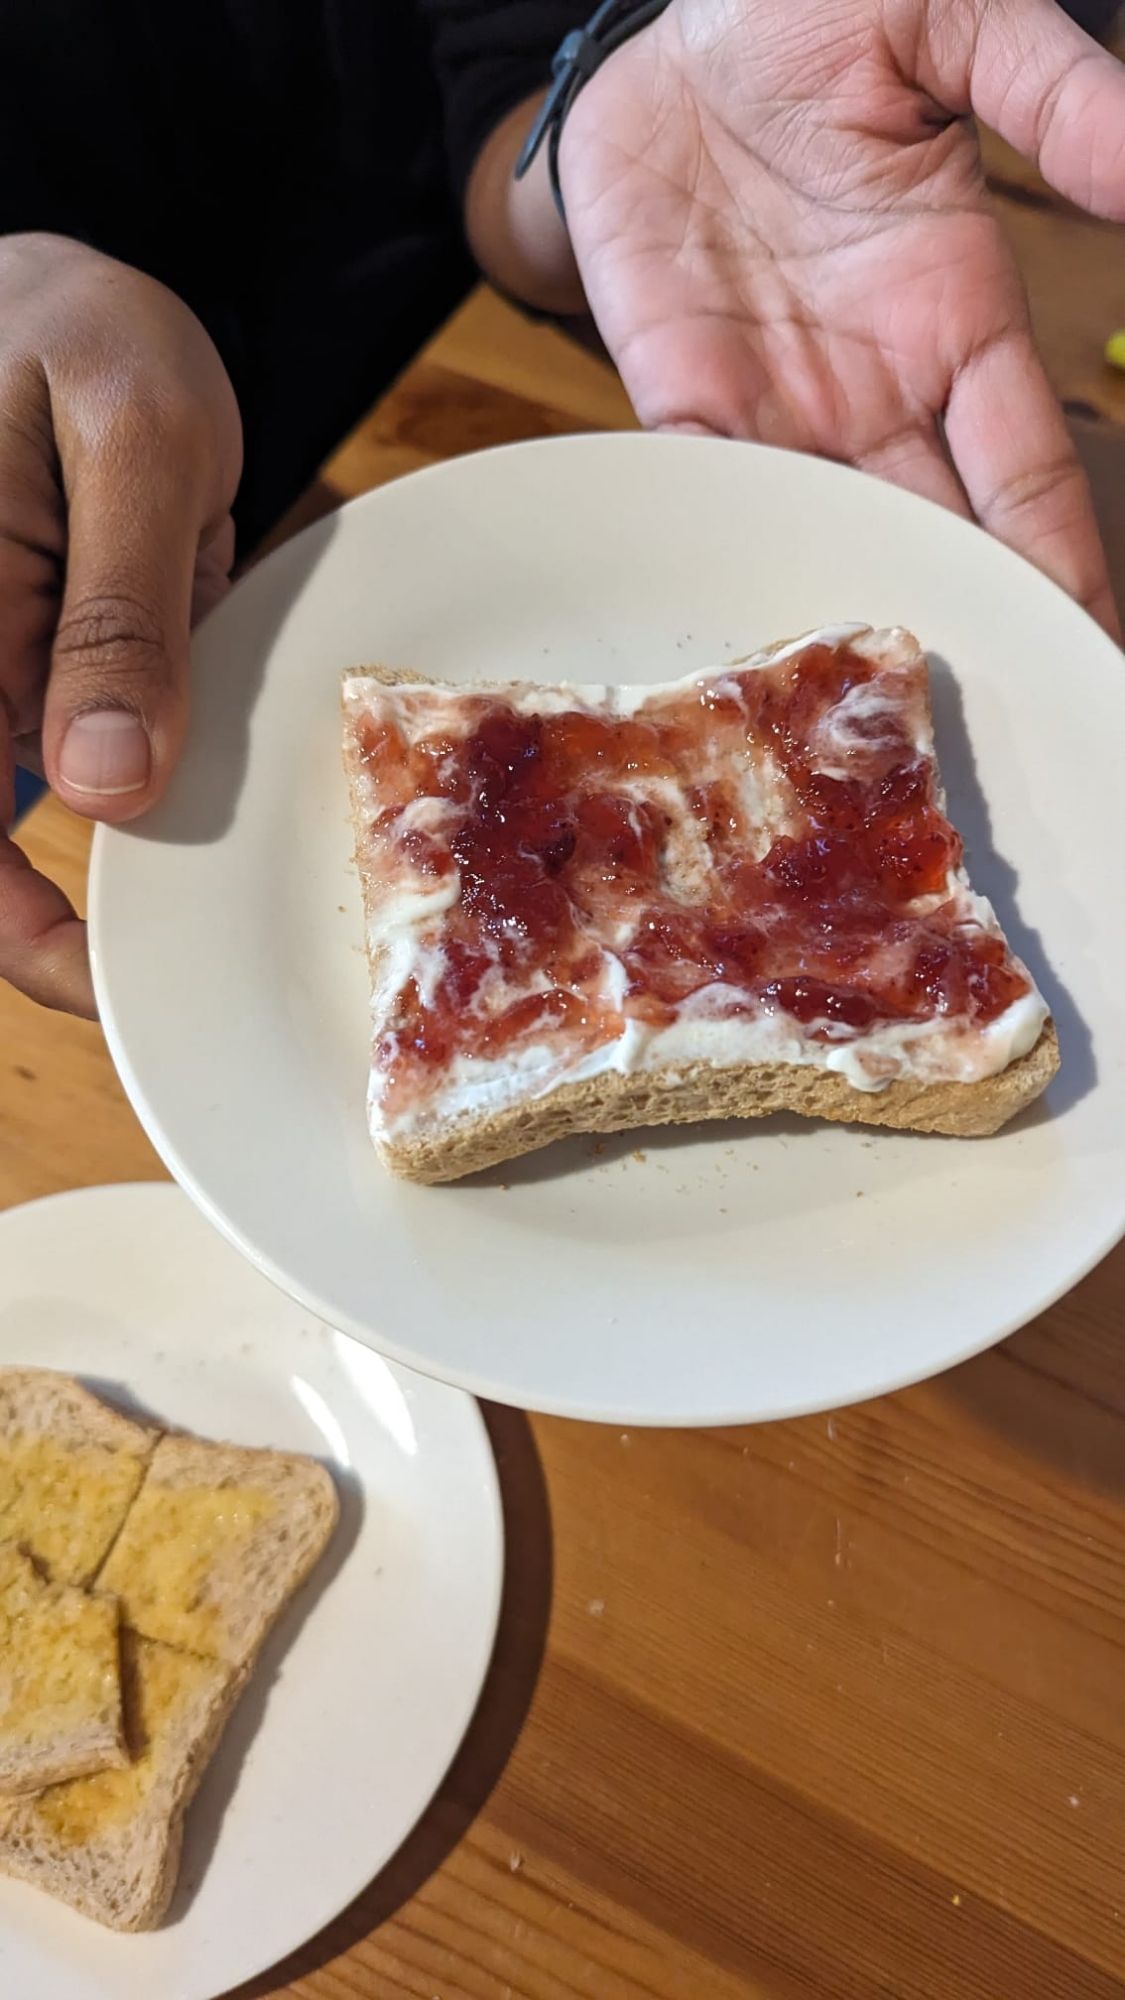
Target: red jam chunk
833, 912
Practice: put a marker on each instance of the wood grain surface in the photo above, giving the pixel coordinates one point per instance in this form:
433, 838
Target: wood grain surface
827, 1710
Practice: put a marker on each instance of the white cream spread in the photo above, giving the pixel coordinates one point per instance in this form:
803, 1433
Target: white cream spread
405, 930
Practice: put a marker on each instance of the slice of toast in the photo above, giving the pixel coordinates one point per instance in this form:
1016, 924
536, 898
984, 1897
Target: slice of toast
594, 908
217, 1541
110, 1845
60, 1682
70, 1468
208, 1551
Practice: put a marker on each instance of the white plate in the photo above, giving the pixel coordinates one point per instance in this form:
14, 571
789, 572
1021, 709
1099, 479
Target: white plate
354, 1713
728, 1275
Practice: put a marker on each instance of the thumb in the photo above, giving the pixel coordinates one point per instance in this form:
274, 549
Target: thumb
1054, 95
117, 693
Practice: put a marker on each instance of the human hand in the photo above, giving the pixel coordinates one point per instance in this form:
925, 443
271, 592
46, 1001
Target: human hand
778, 213
120, 452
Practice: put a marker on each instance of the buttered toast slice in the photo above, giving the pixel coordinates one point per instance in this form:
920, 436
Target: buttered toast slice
204, 1544
60, 1681
110, 1845
217, 1541
70, 1468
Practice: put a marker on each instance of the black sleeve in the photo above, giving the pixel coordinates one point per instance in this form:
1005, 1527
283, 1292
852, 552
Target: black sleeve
489, 55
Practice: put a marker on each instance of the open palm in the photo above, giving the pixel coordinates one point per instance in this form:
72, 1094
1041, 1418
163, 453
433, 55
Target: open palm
779, 215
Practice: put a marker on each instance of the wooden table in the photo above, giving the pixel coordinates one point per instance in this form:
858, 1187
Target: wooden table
825, 1710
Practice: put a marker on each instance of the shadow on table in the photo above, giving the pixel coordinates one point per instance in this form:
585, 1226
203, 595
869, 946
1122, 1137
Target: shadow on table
1054, 1393
496, 1727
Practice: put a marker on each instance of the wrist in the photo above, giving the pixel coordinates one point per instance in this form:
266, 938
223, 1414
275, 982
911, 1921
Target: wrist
515, 231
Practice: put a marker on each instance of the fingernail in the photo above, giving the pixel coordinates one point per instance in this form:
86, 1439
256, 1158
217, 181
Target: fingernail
106, 752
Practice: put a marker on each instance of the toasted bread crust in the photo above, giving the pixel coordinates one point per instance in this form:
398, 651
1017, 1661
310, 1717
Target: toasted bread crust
614, 1103
39, 1402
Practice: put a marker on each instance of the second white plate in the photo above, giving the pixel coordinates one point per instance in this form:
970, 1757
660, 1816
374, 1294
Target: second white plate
366, 1687
702, 1277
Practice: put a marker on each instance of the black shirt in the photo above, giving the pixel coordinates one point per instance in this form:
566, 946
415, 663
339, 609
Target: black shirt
292, 168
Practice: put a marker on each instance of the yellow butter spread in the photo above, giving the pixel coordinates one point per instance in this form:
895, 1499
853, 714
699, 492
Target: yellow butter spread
64, 1502
59, 1669
162, 1688
170, 1566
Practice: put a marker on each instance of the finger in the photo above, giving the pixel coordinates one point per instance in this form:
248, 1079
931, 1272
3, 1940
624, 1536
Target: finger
1013, 451
116, 703
1055, 96
29, 597
29, 754
213, 566
42, 942
917, 459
